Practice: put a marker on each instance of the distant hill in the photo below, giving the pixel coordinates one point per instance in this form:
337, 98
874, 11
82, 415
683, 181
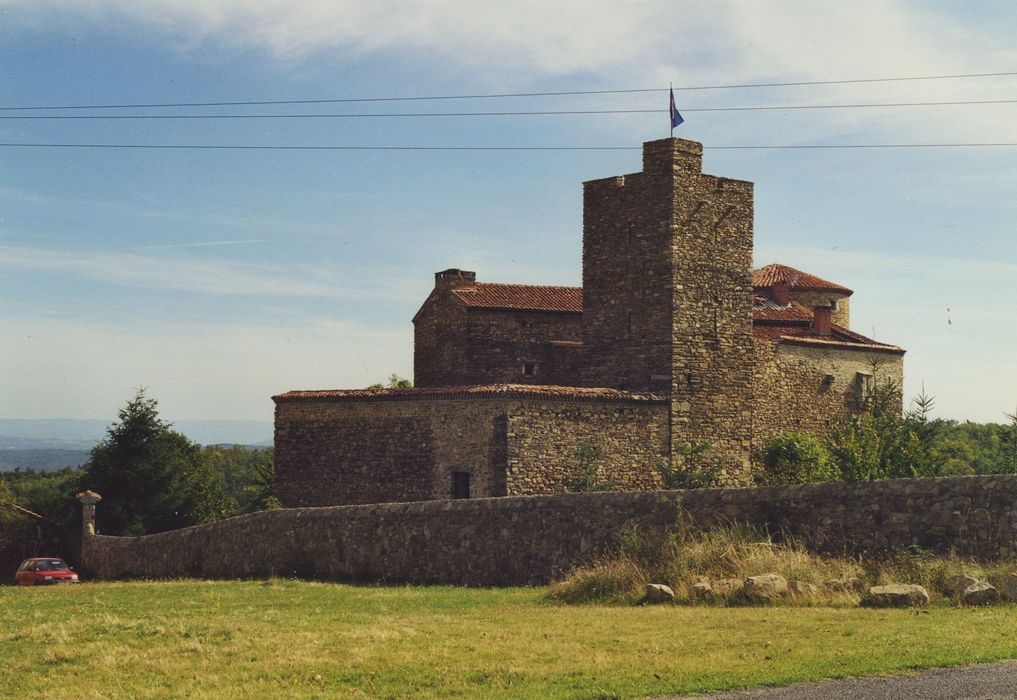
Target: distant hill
63, 434
44, 460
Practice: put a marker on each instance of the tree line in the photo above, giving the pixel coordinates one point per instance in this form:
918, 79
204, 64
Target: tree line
151, 477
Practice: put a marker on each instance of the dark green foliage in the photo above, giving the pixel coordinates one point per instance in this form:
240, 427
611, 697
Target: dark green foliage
394, 382
17, 530
795, 458
50, 494
248, 475
689, 470
585, 475
152, 478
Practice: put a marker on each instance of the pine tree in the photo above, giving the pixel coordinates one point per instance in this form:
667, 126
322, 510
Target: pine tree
151, 477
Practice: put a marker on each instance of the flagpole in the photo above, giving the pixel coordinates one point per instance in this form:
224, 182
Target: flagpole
670, 86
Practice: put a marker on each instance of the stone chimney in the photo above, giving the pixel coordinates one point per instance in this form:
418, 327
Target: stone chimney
782, 292
454, 277
822, 322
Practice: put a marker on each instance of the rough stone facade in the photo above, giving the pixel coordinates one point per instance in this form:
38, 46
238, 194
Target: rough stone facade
705, 350
667, 295
459, 342
409, 445
532, 539
808, 387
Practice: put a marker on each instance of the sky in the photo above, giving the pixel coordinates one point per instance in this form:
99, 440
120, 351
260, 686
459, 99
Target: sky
217, 278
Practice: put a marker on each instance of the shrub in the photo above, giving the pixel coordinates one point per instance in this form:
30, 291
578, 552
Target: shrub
586, 474
795, 458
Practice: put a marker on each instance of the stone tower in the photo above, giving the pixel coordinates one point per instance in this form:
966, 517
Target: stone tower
667, 297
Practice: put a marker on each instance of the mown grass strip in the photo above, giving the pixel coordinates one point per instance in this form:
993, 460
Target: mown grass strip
306, 639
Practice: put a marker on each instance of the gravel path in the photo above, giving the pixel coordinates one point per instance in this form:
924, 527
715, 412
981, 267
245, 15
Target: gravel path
978, 682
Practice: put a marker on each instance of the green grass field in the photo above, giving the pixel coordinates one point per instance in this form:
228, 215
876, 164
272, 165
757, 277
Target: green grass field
284, 638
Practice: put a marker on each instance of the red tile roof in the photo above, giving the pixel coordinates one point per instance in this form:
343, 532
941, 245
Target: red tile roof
483, 391
766, 309
525, 297
792, 324
766, 277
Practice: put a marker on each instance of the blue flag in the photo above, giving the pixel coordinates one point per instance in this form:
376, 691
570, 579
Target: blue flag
676, 117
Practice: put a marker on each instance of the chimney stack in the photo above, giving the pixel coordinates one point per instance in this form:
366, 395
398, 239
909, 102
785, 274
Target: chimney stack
822, 322
782, 292
454, 277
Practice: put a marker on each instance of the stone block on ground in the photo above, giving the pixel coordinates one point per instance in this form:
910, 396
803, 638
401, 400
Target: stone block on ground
955, 585
980, 593
1008, 587
897, 595
701, 590
844, 585
658, 593
801, 589
727, 586
765, 587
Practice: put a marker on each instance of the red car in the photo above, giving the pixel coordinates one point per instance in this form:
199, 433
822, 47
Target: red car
44, 571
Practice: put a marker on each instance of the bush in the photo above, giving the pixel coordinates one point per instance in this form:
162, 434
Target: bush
795, 458
682, 555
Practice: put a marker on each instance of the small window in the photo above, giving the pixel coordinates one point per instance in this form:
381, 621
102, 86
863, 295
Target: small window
864, 384
833, 304
529, 369
460, 484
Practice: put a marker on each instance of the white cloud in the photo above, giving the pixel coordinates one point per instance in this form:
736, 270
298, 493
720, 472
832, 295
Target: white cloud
625, 44
192, 274
196, 371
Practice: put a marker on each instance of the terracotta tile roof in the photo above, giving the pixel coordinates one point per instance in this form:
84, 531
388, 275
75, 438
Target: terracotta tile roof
766, 277
483, 391
792, 323
491, 295
766, 309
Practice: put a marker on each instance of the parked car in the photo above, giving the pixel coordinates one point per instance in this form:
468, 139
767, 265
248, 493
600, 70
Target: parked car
44, 571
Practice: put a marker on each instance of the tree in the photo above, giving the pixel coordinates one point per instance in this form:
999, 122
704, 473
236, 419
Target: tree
16, 529
1010, 455
151, 478
394, 382
688, 470
795, 458
586, 474
881, 442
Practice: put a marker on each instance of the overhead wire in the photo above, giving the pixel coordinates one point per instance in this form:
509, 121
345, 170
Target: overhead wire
373, 115
250, 147
558, 93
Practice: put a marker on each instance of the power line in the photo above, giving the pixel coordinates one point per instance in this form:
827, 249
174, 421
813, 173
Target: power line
248, 147
567, 93
372, 115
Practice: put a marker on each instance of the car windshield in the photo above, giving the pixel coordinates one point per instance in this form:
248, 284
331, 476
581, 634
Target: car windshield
51, 565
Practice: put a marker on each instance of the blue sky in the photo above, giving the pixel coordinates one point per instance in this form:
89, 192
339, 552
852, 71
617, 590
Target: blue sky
217, 278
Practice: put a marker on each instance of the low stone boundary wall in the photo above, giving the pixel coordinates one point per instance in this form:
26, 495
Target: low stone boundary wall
531, 539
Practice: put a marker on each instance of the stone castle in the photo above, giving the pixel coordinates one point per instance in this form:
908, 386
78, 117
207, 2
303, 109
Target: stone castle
673, 341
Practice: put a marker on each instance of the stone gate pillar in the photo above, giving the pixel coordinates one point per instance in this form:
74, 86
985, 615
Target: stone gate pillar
88, 500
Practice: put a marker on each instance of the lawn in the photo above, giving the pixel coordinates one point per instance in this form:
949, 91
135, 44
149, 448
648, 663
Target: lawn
282, 638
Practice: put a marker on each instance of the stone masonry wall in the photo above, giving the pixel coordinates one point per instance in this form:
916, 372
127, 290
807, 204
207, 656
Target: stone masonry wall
711, 331
808, 388
532, 539
841, 315
456, 346
330, 452
627, 276
667, 296
627, 442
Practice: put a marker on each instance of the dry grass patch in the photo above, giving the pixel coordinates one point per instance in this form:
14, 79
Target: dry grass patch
684, 556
